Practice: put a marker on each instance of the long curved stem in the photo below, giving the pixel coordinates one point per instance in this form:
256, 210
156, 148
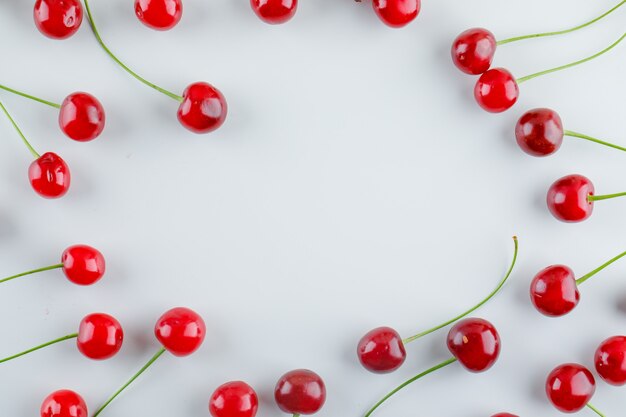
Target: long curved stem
34, 271
592, 139
562, 32
120, 63
572, 64
130, 381
605, 196
21, 93
595, 410
19, 131
404, 384
52, 342
476, 307
600, 268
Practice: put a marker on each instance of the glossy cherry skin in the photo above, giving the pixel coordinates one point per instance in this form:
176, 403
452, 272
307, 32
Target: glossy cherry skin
181, 331
539, 132
100, 336
381, 350
475, 343
203, 108
159, 14
64, 403
397, 13
58, 19
554, 292
473, 51
49, 176
274, 11
611, 360
300, 392
234, 399
568, 198
81, 117
83, 265
496, 90
570, 387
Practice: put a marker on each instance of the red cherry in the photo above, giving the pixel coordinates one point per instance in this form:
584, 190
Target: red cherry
504, 415
58, 19
234, 399
203, 108
570, 387
539, 132
554, 291
181, 331
64, 403
274, 11
473, 51
100, 336
83, 265
81, 117
475, 343
49, 176
381, 350
300, 392
611, 360
568, 198
496, 90
159, 14
397, 13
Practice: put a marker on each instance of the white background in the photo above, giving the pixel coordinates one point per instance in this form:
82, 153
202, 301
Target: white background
355, 184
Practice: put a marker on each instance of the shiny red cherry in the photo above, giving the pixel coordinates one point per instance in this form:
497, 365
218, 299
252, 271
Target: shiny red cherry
58, 19
611, 360
473, 51
539, 132
570, 387
100, 336
81, 117
159, 14
397, 13
300, 392
181, 331
496, 90
83, 265
475, 343
64, 403
554, 291
203, 108
568, 198
381, 350
234, 399
49, 176
274, 11
504, 415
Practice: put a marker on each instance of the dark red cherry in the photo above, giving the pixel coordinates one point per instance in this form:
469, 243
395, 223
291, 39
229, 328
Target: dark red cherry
58, 19
81, 117
49, 176
570, 387
274, 11
381, 350
64, 403
397, 13
203, 108
475, 343
159, 14
554, 291
496, 90
100, 336
568, 198
539, 132
234, 399
83, 265
181, 331
611, 360
300, 392
473, 51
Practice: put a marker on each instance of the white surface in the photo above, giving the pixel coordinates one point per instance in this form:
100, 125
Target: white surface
355, 184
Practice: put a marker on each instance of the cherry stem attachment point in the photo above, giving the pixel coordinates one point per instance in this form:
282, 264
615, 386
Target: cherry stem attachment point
34, 271
404, 384
604, 197
130, 381
120, 63
600, 268
595, 410
19, 131
40, 100
592, 139
562, 32
476, 307
52, 342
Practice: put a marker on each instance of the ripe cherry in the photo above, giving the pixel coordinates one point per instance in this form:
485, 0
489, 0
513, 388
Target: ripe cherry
504, 415
274, 11
610, 360
570, 387
496, 90
81, 117
397, 13
234, 399
203, 108
49, 176
300, 392
58, 19
159, 14
473, 51
64, 403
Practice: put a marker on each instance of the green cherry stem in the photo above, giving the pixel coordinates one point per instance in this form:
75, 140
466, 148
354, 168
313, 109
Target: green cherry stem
600, 268
592, 139
34, 271
120, 63
52, 342
404, 384
604, 197
21, 93
562, 32
595, 410
476, 307
130, 381
19, 131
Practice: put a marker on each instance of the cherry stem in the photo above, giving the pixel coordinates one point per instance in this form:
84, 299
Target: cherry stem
34, 271
28, 145
600, 268
404, 384
476, 307
40, 100
595, 410
52, 342
604, 197
562, 32
121, 64
130, 381
592, 139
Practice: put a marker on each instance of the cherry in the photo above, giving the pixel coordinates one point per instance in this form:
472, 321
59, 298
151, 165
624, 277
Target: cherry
234, 399
381, 350
49, 176
539, 132
473, 51
496, 90
203, 108
83, 265
274, 11
159, 14
610, 360
58, 19
100, 336
397, 13
64, 403
475, 343
81, 117
300, 392
570, 387
504, 415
